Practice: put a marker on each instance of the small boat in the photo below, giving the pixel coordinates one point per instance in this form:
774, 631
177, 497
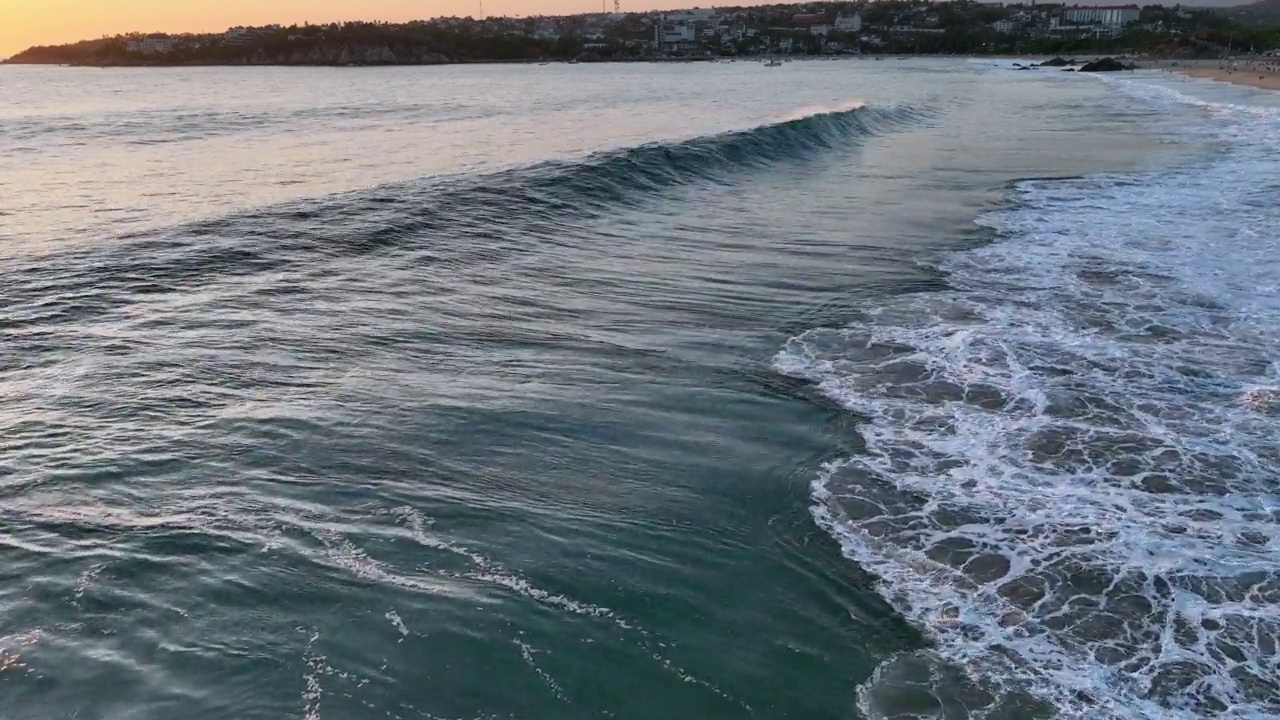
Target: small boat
774, 62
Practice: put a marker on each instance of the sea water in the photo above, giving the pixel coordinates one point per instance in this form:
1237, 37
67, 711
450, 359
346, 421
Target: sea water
517, 391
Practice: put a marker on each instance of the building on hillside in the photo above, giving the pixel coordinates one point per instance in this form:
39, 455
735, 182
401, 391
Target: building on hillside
546, 30
678, 34
849, 24
696, 15
238, 36
1110, 15
155, 44
807, 19
675, 38
819, 30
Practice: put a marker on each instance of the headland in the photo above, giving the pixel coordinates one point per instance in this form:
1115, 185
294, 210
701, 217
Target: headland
817, 29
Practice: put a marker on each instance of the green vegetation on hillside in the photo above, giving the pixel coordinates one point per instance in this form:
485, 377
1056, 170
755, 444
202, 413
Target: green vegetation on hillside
892, 26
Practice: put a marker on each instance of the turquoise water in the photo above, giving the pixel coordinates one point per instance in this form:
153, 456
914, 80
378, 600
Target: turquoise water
490, 392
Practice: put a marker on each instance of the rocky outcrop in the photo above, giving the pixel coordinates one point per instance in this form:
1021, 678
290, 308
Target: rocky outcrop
1058, 62
1105, 65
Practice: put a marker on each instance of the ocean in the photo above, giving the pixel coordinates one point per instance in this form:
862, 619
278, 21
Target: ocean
845, 389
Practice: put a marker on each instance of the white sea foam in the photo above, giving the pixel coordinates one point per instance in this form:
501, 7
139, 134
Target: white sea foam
312, 692
1069, 482
398, 624
85, 581
526, 652
341, 553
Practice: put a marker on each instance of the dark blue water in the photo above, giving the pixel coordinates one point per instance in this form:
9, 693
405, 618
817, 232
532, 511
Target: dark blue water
501, 392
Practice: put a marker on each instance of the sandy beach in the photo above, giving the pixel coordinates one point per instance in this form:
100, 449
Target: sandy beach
1266, 79
1255, 72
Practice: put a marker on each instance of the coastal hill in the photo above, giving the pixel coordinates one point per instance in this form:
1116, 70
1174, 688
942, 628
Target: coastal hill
829, 28
1259, 14
353, 43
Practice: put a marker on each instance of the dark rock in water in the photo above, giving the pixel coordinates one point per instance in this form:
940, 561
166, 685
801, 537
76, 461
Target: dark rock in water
1057, 62
1253, 537
1104, 65
1068, 69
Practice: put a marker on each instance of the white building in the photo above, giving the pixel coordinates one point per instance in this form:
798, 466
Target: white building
734, 32
238, 36
1112, 15
1003, 26
678, 34
851, 24
151, 45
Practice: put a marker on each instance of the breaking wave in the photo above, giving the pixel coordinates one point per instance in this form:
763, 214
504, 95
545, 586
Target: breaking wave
1071, 467
448, 218
557, 191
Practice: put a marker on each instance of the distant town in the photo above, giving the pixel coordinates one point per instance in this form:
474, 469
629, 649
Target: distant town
829, 28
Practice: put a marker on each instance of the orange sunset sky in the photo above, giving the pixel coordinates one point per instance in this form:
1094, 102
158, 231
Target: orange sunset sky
24, 23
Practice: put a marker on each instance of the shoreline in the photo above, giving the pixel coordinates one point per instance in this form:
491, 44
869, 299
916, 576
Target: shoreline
1260, 73
1261, 79
553, 61
548, 61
